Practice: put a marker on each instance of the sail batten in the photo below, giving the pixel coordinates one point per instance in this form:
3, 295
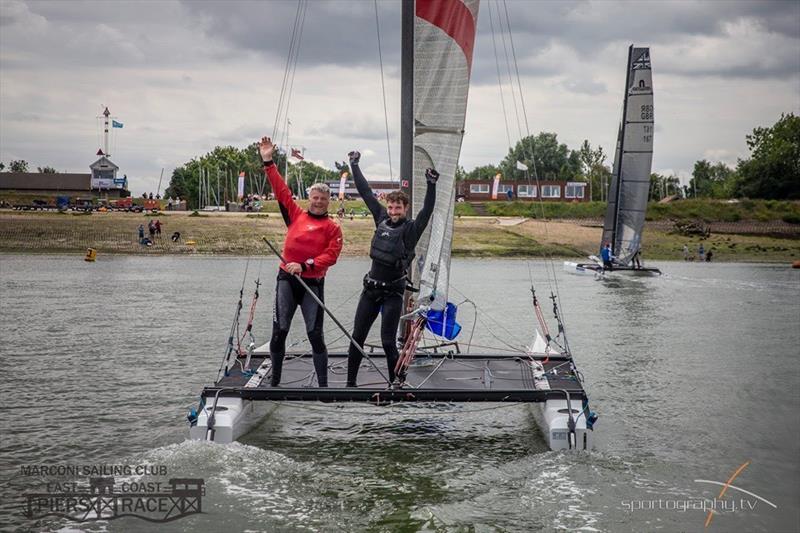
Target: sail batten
630, 185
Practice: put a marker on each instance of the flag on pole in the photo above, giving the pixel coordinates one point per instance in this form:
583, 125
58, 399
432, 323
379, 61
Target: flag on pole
297, 154
115, 124
496, 186
240, 192
521, 165
342, 185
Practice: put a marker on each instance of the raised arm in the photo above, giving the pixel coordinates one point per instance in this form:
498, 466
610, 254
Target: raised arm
424, 215
282, 192
374, 206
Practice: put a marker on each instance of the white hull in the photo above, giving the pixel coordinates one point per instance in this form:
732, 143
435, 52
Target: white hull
235, 418
553, 420
580, 270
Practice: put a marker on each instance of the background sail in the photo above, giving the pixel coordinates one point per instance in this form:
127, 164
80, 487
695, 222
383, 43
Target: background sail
627, 206
444, 35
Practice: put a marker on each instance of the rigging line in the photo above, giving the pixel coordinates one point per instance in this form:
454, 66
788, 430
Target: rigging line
499, 78
275, 126
235, 323
477, 316
508, 68
294, 68
474, 321
383, 91
527, 128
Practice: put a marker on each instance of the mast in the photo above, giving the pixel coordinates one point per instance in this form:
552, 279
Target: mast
614, 250
407, 99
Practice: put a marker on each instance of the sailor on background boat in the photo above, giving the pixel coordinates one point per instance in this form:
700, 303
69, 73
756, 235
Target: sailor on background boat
392, 251
313, 243
606, 256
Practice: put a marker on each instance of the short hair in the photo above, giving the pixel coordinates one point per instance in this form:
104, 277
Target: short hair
397, 196
321, 187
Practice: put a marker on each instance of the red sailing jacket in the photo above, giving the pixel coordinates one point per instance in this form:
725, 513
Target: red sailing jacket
309, 236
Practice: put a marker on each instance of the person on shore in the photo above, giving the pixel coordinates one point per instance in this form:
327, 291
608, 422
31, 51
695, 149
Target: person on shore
685, 252
151, 228
637, 259
157, 225
141, 233
176, 236
701, 252
606, 255
391, 251
312, 245
169, 203
709, 255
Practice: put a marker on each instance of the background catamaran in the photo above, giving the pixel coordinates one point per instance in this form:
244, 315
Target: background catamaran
630, 184
437, 41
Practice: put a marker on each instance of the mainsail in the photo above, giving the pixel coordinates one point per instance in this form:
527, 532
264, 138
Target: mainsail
444, 34
630, 184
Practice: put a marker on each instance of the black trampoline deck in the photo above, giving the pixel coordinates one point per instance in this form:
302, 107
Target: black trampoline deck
458, 378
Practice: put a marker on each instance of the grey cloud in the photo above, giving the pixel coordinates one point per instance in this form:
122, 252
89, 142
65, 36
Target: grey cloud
361, 127
582, 86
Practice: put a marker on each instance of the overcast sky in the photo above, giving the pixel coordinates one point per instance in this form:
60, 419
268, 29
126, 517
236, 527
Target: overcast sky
185, 76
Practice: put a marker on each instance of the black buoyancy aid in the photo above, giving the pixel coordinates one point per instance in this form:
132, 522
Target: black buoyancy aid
388, 246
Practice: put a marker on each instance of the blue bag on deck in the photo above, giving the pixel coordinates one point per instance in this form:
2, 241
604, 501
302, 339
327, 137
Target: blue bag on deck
443, 323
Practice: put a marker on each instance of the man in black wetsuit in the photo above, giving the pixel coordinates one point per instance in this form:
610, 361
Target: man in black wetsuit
392, 251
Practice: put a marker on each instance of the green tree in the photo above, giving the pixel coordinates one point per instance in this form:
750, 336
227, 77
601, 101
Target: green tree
711, 180
220, 167
2, 166
47, 170
773, 169
18, 165
485, 172
551, 160
461, 174
592, 162
662, 186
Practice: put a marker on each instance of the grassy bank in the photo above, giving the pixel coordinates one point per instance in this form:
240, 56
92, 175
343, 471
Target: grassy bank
682, 210
219, 233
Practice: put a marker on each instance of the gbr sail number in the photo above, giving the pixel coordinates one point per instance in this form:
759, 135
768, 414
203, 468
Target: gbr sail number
647, 112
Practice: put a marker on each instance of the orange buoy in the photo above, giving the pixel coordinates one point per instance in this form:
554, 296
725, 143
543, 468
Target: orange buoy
91, 255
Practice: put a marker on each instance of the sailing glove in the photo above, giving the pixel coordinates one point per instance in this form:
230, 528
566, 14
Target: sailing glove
431, 175
354, 156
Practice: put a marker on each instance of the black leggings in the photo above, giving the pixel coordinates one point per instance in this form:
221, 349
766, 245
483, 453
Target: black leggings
369, 305
288, 295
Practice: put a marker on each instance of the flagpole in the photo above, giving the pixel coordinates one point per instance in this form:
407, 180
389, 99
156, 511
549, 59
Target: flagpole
300, 184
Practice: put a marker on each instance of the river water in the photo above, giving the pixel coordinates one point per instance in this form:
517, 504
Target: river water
694, 374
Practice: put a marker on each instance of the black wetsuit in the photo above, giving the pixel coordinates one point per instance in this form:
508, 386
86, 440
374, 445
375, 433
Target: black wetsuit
386, 281
289, 294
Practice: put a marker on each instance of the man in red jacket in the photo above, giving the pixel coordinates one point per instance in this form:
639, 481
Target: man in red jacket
313, 243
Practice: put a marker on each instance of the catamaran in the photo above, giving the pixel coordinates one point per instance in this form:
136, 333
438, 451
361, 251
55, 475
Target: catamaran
630, 183
437, 43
